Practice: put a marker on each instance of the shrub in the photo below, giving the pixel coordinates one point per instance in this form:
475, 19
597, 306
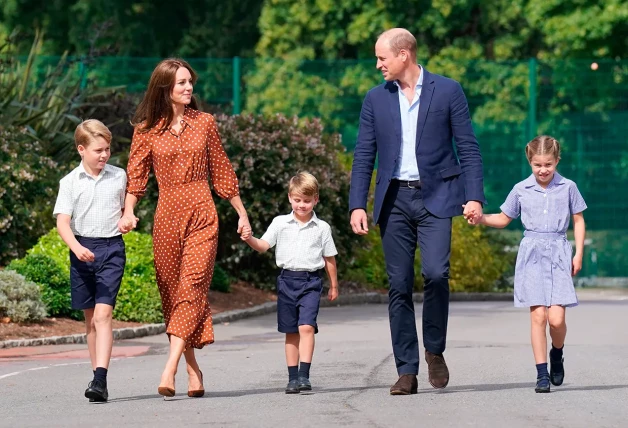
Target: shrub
138, 299
53, 282
266, 151
19, 298
478, 261
27, 178
220, 281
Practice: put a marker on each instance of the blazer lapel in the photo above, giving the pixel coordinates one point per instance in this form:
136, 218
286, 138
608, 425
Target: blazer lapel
425, 99
393, 100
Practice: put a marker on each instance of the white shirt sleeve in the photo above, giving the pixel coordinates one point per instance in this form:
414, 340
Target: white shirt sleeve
64, 204
271, 233
329, 248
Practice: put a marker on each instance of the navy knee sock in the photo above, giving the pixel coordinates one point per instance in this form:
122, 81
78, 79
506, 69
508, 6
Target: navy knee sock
304, 371
293, 372
100, 374
556, 354
541, 370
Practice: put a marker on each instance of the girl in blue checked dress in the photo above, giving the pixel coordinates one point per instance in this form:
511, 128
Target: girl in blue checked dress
543, 274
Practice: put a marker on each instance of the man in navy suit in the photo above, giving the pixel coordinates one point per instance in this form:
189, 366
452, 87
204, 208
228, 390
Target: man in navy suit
411, 123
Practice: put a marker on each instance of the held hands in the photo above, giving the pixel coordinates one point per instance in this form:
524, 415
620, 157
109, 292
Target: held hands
576, 265
333, 293
127, 223
359, 222
244, 228
83, 254
473, 212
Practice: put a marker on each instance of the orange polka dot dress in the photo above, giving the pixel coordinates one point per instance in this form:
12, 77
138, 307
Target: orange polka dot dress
185, 231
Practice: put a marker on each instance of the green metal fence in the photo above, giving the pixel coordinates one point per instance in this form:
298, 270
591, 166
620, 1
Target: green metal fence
583, 103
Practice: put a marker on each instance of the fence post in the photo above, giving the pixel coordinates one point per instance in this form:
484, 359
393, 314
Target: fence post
236, 85
531, 131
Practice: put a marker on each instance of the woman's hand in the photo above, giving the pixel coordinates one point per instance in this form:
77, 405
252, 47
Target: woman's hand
244, 228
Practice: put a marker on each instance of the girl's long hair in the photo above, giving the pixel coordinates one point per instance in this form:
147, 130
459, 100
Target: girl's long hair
157, 103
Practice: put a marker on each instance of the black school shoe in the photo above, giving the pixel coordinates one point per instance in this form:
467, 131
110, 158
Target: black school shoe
557, 371
97, 392
292, 387
304, 384
542, 384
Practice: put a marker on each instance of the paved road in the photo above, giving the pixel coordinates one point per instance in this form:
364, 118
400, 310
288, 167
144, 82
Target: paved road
488, 354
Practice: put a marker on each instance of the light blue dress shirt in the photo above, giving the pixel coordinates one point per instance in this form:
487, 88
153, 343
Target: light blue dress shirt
406, 167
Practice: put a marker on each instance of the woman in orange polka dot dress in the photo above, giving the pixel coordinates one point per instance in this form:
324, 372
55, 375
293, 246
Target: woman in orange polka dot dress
183, 147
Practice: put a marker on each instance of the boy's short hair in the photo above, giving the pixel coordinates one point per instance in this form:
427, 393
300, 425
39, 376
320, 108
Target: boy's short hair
88, 130
304, 184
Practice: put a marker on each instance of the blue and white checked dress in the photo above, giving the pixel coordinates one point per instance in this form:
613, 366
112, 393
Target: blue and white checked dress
543, 270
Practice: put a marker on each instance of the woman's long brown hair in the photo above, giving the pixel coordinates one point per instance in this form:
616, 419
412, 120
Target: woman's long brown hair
157, 102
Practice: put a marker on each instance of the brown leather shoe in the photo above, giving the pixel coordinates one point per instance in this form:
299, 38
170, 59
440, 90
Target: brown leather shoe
437, 369
406, 385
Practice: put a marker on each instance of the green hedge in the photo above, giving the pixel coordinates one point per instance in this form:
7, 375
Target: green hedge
53, 282
48, 265
478, 260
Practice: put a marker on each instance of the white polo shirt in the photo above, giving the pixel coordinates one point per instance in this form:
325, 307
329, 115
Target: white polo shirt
94, 203
300, 247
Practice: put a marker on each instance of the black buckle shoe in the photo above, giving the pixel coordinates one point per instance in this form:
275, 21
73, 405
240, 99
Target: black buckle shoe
557, 372
97, 392
292, 387
304, 384
542, 384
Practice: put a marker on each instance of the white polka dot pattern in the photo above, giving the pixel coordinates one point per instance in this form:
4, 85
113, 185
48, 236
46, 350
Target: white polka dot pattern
185, 232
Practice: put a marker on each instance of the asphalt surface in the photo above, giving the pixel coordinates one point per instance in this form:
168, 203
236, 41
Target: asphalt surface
489, 357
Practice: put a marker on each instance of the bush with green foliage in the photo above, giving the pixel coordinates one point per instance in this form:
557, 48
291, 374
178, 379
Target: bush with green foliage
39, 106
27, 177
266, 151
220, 281
138, 299
20, 299
53, 282
478, 261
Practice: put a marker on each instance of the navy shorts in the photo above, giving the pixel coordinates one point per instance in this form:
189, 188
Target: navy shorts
298, 300
97, 281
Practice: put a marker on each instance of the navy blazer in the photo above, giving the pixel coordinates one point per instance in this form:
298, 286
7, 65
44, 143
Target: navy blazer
447, 180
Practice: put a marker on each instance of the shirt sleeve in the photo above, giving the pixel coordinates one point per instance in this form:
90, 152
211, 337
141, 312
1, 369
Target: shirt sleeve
140, 162
223, 178
511, 206
271, 233
123, 190
329, 248
576, 201
64, 204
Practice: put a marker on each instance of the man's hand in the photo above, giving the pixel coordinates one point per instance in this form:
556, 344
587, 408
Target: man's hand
333, 293
472, 212
359, 222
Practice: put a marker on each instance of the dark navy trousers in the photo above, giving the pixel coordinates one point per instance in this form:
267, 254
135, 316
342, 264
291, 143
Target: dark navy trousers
404, 222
